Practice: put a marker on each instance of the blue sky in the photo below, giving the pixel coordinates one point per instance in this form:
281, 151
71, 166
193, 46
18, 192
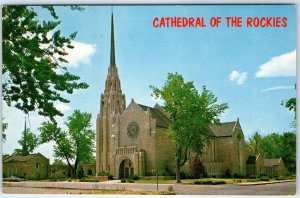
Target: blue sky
251, 69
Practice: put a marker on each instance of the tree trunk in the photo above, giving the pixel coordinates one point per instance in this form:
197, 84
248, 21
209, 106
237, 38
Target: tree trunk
75, 166
178, 173
72, 170
178, 159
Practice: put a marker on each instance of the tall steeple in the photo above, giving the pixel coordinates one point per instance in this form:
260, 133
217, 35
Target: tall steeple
112, 104
112, 43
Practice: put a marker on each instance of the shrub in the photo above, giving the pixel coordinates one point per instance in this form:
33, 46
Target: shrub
204, 182
253, 180
219, 182
170, 189
227, 173
110, 177
205, 174
196, 168
265, 178
79, 171
135, 177
37, 176
130, 181
101, 173
238, 176
183, 175
280, 178
237, 180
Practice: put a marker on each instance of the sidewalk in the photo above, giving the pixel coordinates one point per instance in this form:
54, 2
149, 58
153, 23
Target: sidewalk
264, 182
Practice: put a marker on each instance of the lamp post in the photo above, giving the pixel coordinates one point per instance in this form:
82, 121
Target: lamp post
156, 172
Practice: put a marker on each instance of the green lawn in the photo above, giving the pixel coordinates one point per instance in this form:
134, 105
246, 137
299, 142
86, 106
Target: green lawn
191, 181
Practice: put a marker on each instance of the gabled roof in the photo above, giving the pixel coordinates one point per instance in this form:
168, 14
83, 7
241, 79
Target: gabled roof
271, 162
21, 158
224, 129
161, 119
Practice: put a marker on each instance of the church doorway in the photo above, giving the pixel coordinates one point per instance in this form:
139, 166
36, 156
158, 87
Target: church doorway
126, 169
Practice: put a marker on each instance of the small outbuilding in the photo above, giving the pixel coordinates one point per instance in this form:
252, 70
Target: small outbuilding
274, 167
33, 166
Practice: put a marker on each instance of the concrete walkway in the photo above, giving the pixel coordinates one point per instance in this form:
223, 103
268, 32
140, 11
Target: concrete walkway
113, 185
283, 188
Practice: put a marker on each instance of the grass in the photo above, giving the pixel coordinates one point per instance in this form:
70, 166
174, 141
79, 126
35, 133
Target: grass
191, 181
146, 181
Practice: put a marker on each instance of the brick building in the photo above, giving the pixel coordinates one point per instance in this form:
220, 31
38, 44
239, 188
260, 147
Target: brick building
133, 139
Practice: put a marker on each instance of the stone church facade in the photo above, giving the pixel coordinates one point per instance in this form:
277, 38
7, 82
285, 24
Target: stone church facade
133, 139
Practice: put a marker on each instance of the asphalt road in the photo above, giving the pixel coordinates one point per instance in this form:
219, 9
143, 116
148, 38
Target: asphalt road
286, 188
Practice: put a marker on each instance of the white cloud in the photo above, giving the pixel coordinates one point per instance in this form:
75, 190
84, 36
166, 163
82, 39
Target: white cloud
80, 54
283, 65
62, 107
277, 88
237, 77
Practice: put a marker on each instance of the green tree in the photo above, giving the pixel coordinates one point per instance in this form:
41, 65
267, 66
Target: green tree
289, 145
33, 61
79, 127
255, 143
75, 144
62, 144
290, 104
276, 145
4, 127
28, 142
190, 114
58, 162
271, 145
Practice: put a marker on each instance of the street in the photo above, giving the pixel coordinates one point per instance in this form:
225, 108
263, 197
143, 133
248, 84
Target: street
285, 188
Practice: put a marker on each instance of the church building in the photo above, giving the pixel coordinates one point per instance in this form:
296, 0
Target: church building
133, 139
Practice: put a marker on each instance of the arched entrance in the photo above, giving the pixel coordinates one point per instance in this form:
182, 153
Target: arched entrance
126, 169
90, 172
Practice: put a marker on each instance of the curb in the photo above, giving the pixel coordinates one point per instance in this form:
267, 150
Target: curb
263, 183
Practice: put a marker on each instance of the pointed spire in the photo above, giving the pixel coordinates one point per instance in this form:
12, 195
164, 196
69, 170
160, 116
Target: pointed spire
24, 149
112, 44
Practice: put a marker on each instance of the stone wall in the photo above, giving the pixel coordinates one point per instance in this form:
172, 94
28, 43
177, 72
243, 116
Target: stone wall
165, 152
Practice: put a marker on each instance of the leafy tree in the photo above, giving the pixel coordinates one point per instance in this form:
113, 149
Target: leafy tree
76, 143
33, 61
4, 127
197, 168
28, 142
79, 126
58, 162
255, 143
62, 144
290, 104
271, 145
289, 145
190, 114
276, 145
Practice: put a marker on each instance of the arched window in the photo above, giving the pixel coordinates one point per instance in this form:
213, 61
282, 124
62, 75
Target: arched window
37, 165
